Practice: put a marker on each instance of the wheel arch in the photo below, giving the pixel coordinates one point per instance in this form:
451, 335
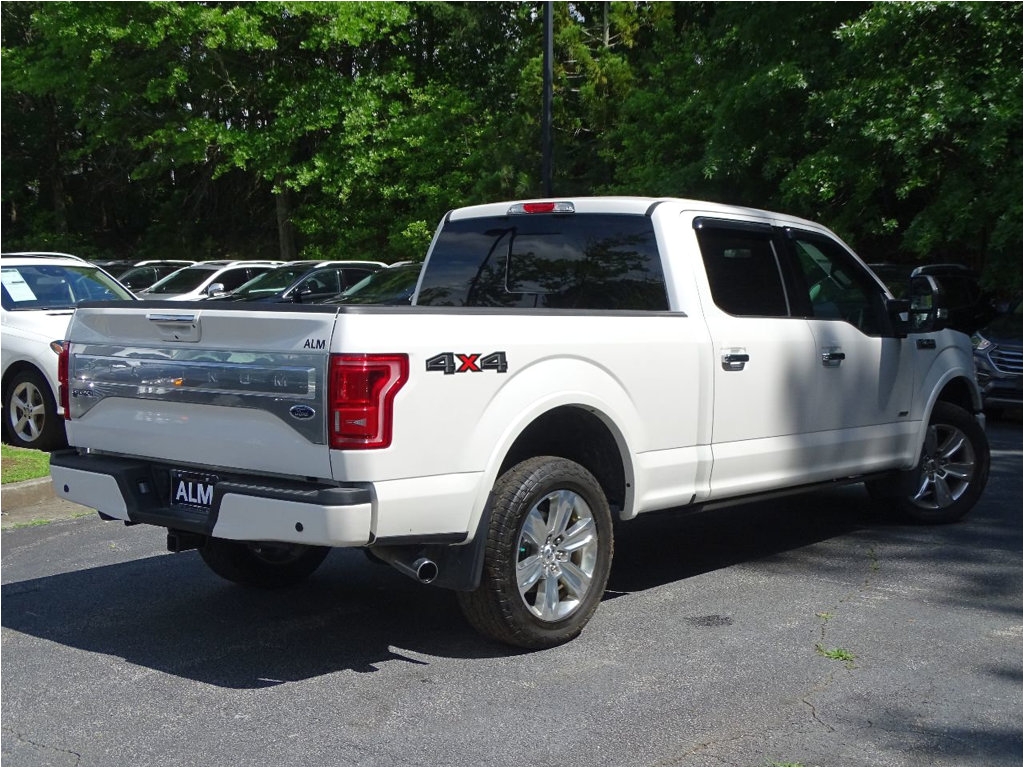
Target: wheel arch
23, 365
574, 431
959, 391
585, 436
17, 367
956, 389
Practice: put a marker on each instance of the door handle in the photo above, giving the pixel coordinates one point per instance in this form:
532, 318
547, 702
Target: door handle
734, 361
832, 359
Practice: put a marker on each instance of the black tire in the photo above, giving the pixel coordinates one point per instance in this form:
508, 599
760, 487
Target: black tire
30, 413
548, 553
952, 472
267, 565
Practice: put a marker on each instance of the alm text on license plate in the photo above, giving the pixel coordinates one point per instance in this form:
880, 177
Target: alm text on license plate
192, 489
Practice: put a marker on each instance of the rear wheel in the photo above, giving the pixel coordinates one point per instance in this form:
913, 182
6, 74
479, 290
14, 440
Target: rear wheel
267, 565
30, 413
548, 554
951, 474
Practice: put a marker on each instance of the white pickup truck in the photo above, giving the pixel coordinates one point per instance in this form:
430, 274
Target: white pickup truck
564, 364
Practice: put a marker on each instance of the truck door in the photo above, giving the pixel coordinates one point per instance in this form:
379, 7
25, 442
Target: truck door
864, 374
764, 362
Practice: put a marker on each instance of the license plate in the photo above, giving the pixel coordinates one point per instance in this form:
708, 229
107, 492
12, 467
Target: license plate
192, 489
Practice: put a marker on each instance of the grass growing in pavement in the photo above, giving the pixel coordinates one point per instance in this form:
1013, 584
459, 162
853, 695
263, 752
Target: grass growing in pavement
836, 654
18, 464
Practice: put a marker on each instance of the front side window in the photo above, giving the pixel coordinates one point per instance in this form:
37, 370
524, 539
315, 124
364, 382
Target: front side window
835, 285
550, 261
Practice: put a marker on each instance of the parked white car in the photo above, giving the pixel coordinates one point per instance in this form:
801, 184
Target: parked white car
40, 292
206, 279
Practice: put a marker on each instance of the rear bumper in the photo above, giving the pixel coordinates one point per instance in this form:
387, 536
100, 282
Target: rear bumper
243, 508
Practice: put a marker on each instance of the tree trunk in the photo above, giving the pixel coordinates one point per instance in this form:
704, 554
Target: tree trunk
285, 230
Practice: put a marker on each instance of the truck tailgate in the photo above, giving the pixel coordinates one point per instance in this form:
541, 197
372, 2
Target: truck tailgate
169, 382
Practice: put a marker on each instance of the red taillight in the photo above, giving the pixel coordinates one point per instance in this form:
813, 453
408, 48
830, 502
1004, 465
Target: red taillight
361, 394
62, 379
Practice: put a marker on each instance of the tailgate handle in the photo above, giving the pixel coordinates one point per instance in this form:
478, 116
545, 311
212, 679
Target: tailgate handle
159, 317
177, 326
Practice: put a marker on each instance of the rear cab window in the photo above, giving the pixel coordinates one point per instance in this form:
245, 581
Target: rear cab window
550, 261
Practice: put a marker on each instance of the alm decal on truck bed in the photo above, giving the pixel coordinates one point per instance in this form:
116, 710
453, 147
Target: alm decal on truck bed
474, 362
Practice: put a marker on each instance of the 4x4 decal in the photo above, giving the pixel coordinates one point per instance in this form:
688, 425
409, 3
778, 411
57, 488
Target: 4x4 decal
472, 362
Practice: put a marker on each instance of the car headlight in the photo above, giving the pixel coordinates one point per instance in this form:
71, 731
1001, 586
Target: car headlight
979, 342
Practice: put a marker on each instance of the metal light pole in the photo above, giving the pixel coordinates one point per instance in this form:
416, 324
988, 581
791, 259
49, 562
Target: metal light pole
549, 47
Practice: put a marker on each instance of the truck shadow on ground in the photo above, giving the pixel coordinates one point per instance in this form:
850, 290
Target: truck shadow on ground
170, 614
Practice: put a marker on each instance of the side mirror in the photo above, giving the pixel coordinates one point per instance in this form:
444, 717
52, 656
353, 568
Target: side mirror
215, 289
928, 310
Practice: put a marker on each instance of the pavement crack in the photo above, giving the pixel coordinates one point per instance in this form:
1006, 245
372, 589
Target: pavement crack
26, 740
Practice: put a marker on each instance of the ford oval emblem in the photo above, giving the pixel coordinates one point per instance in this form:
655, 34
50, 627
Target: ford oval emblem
302, 412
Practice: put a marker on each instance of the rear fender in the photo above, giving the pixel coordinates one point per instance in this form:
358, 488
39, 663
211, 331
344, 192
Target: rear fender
527, 398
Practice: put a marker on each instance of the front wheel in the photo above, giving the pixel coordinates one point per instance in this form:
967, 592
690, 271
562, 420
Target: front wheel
953, 469
268, 565
548, 554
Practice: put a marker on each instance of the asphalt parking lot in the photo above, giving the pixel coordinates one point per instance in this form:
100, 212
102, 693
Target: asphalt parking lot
804, 631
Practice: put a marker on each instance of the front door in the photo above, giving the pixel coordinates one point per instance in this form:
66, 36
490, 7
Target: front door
864, 375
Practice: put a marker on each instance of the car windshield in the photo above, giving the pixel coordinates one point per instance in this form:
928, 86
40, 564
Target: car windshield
57, 286
389, 286
184, 280
274, 281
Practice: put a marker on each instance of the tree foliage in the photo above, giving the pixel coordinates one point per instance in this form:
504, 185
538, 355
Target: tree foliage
302, 129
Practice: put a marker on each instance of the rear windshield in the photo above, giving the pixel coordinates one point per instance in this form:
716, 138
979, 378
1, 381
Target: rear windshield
52, 286
571, 261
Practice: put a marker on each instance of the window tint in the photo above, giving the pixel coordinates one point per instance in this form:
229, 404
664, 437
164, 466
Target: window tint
352, 275
321, 282
577, 261
836, 286
743, 270
234, 278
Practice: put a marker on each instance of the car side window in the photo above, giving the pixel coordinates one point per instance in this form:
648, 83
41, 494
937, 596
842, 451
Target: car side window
352, 275
743, 268
836, 287
234, 278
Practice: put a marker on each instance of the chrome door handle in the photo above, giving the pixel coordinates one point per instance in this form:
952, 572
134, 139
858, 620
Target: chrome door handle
832, 359
735, 361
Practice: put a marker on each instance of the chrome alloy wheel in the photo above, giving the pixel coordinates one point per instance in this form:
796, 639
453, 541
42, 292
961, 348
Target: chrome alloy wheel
557, 555
27, 411
948, 467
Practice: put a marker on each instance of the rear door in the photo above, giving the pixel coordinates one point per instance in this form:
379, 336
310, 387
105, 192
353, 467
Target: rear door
763, 361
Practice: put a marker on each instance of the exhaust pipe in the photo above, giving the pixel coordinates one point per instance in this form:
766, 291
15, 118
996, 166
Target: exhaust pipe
423, 569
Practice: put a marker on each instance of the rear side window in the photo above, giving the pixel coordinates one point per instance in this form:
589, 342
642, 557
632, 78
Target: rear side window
743, 269
575, 261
